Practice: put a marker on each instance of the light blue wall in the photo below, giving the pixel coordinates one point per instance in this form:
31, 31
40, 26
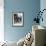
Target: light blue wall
29, 7
43, 6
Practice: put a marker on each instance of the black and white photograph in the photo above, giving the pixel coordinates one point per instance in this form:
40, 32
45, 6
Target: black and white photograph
18, 18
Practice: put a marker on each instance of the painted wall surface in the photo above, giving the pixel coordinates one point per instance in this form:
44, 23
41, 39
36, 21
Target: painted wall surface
1, 20
43, 6
29, 7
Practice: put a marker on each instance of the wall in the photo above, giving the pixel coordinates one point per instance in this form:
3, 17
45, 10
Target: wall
1, 20
29, 7
43, 6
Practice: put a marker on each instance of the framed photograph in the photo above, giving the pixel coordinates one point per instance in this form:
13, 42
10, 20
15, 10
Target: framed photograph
18, 19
